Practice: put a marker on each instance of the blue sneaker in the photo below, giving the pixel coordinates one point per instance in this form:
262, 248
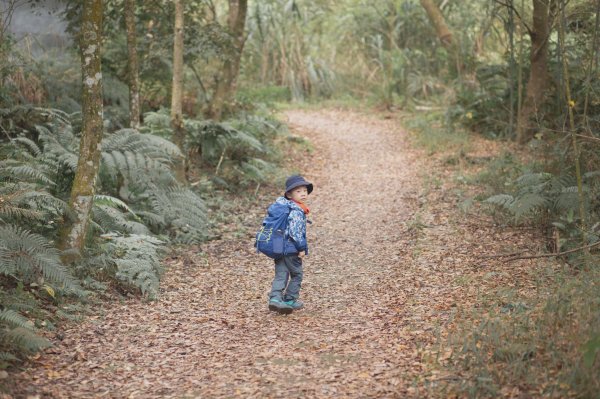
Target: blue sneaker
295, 304
277, 305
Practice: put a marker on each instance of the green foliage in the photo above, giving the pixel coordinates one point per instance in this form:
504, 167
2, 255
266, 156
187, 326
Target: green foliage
430, 134
483, 105
263, 94
136, 260
17, 336
30, 257
284, 48
239, 150
547, 344
549, 199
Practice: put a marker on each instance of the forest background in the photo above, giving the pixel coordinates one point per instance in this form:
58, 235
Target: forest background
127, 132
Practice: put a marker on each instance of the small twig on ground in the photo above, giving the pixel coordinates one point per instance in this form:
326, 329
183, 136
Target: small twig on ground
583, 136
553, 255
502, 255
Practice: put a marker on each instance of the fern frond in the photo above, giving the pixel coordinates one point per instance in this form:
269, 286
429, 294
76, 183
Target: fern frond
503, 200
157, 119
14, 319
26, 340
591, 174
8, 213
257, 169
17, 171
44, 201
60, 145
527, 204
109, 219
137, 261
247, 139
533, 179
130, 140
113, 202
24, 253
152, 219
29, 144
568, 199
6, 357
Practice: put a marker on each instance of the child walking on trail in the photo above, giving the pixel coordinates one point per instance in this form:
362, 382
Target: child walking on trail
285, 289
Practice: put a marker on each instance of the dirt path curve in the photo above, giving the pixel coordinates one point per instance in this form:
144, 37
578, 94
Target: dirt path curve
369, 307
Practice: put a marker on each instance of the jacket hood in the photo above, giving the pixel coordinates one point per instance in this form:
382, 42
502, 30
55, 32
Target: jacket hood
288, 203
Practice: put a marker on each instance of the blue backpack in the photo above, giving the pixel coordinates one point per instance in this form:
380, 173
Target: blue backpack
270, 239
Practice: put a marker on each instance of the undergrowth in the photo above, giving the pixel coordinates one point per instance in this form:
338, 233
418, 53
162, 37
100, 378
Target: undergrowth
545, 344
139, 210
520, 339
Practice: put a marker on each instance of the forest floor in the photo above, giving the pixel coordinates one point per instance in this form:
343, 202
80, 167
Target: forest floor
392, 259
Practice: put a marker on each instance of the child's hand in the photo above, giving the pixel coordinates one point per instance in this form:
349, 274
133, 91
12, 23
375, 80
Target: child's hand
301, 254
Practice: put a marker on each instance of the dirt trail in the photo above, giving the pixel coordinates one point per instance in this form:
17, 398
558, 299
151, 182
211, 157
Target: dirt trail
370, 308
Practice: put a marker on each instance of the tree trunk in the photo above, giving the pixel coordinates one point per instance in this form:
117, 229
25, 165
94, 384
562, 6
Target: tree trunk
439, 23
443, 33
132, 66
538, 73
82, 193
177, 91
226, 84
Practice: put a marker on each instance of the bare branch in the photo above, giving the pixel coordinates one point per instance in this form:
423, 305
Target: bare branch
591, 138
554, 255
509, 5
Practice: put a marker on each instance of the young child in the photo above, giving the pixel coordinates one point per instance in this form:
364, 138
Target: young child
285, 289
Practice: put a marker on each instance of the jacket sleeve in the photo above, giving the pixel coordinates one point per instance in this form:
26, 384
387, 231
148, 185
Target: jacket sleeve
297, 230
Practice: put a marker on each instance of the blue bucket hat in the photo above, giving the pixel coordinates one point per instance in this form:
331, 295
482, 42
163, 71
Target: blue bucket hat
296, 181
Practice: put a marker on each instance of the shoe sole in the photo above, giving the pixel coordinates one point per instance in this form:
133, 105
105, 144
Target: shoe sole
279, 310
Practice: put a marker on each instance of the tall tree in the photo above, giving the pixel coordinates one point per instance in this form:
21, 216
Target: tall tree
439, 23
177, 91
84, 185
132, 65
538, 72
226, 84
443, 32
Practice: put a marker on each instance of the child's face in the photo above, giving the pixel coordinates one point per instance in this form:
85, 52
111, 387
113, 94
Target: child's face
299, 194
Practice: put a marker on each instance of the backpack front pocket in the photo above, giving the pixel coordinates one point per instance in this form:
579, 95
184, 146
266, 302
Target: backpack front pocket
278, 241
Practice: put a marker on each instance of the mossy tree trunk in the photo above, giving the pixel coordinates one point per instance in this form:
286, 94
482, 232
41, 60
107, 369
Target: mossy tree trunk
443, 32
82, 193
132, 65
177, 90
538, 73
226, 84
439, 23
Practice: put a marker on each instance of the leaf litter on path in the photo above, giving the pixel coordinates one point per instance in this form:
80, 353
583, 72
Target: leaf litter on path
376, 296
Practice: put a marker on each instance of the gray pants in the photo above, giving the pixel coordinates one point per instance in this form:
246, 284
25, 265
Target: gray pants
288, 268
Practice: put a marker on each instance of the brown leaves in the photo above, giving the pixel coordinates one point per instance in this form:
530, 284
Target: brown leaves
379, 289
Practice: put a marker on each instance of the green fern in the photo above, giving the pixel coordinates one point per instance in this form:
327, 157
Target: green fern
15, 319
556, 198
503, 200
113, 202
528, 203
137, 261
111, 219
212, 138
17, 334
29, 144
29, 256
535, 192
25, 340
60, 145
6, 358
12, 206
183, 212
